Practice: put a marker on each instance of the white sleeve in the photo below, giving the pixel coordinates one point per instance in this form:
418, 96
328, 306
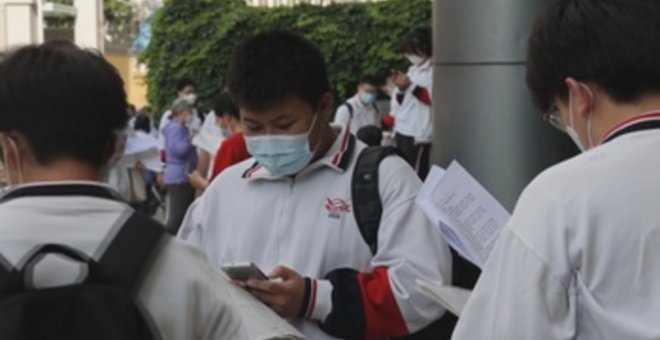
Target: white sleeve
192, 229
409, 245
187, 300
385, 301
342, 116
395, 107
526, 290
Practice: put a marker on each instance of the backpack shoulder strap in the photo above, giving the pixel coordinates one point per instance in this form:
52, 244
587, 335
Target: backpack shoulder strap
350, 109
376, 109
9, 277
367, 206
132, 250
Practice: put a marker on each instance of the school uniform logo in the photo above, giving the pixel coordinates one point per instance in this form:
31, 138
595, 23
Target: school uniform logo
337, 207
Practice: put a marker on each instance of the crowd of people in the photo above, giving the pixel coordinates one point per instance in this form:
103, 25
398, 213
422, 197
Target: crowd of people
268, 232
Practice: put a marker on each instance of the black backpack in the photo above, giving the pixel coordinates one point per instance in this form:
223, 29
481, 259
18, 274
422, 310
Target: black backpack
367, 206
368, 210
103, 306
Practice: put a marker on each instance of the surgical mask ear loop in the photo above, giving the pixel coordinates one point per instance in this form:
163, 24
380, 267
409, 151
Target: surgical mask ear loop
589, 121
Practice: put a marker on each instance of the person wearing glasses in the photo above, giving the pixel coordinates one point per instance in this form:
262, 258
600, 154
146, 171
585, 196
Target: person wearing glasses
580, 257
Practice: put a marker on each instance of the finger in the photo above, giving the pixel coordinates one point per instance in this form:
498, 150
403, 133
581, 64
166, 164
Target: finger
266, 298
239, 283
282, 272
264, 286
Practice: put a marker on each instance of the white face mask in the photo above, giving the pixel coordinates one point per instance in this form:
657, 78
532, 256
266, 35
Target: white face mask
415, 59
191, 98
570, 129
283, 155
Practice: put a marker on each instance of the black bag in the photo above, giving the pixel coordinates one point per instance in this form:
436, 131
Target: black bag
368, 209
101, 307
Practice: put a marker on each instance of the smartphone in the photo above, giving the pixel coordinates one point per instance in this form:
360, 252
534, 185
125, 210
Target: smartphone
244, 271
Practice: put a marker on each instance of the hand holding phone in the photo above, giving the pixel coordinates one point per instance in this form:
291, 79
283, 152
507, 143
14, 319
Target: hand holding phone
244, 271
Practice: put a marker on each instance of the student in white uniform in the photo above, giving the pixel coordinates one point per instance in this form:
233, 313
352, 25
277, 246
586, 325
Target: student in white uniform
411, 102
54, 168
360, 110
289, 209
580, 258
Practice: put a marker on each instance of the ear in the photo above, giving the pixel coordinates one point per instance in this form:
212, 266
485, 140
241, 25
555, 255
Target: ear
583, 98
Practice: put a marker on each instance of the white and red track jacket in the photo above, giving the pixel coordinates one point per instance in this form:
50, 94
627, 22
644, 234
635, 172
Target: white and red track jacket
307, 223
411, 108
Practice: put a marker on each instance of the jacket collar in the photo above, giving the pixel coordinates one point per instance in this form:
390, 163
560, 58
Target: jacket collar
62, 189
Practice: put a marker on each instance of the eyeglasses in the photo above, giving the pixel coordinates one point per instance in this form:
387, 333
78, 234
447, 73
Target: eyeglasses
553, 117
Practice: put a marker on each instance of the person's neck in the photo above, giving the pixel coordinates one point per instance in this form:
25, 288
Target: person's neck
236, 127
615, 114
328, 137
61, 171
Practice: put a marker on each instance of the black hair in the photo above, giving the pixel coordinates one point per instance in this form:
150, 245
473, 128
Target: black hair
80, 106
223, 105
142, 123
274, 65
350, 89
370, 135
612, 43
419, 41
371, 80
146, 110
183, 83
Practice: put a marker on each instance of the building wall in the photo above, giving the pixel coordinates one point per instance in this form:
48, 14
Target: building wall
134, 80
3, 32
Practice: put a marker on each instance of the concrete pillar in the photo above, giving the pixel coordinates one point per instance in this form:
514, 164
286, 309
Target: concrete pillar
89, 24
21, 23
483, 115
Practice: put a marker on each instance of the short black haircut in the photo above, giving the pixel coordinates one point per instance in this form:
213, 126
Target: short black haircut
371, 80
223, 105
612, 43
142, 123
183, 83
419, 41
65, 101
274, 65
370, 135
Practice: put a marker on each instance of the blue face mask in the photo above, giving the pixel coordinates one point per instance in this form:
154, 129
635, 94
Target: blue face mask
368, 97
282, 155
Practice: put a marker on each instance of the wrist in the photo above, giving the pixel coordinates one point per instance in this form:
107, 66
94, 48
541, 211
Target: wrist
307, 296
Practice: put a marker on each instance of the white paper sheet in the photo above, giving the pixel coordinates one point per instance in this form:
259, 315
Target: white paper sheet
207, 142
451, 298
143, 148
469, 218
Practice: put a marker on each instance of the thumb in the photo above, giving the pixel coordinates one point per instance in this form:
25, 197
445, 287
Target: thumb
282, 272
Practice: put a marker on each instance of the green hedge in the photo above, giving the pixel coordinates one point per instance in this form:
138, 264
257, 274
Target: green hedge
195, 38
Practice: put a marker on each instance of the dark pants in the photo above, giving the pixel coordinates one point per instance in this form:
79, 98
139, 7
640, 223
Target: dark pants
179, 198
416, 154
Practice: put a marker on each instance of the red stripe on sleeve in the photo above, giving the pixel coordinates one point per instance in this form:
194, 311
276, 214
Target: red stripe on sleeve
423, 94
312, 300
382, 314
